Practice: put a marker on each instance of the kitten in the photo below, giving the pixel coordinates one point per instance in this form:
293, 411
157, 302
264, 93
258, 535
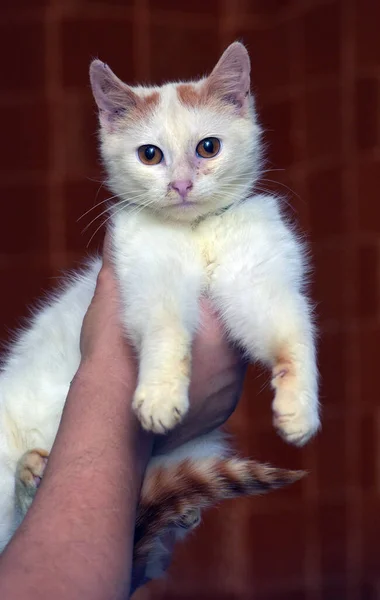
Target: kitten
182, 159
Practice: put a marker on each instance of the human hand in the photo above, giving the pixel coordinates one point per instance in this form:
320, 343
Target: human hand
103, 341
217, 368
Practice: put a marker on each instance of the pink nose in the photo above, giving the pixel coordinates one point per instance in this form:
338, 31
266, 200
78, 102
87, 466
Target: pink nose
182, 187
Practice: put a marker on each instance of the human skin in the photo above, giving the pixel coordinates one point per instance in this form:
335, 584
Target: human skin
76, 541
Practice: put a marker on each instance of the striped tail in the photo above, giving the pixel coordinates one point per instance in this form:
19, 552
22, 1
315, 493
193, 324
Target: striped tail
173, 495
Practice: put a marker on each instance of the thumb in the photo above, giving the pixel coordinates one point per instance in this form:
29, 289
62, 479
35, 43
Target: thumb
107, 249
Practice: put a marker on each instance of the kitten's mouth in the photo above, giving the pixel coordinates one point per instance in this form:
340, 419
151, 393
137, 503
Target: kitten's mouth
183, 204
186, 204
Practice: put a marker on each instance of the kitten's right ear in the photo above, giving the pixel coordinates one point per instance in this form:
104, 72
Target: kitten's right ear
230, 78
113, 97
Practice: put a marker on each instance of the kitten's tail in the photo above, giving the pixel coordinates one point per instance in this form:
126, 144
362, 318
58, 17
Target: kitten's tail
172, 495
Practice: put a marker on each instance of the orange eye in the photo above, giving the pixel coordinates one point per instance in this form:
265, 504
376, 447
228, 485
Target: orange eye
150, 155
209, 147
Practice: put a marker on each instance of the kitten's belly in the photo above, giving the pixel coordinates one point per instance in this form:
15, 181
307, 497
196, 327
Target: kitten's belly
35, 427
36, 378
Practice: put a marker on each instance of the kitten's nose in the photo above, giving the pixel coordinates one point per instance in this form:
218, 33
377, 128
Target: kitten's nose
183, 187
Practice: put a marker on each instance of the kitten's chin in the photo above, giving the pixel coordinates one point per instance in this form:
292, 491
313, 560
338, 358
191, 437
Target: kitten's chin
184, 211
190, 211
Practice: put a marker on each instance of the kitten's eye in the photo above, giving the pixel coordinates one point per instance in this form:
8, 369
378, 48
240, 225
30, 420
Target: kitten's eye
208, 147
150, 155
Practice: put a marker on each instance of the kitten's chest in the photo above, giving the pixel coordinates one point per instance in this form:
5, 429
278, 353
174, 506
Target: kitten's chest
207, 238
146, 245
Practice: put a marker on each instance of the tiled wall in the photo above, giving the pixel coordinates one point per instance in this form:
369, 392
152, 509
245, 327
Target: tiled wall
316, 72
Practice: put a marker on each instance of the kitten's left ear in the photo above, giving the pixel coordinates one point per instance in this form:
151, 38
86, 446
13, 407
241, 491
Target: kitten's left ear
230, 79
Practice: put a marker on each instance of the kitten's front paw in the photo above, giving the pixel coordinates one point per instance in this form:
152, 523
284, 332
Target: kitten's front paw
30, 470
161, 407
295, 421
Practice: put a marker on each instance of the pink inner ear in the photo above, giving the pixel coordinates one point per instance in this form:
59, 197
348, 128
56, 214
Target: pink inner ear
230, 79
112, 96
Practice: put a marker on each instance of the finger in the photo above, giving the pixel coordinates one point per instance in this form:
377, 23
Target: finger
106, 280
211, 327
212, 341
107, 249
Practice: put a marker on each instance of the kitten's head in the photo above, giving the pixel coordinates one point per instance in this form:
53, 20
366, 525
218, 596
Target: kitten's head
183, 149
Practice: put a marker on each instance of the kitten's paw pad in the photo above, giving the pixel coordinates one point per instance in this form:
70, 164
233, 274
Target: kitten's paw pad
31, 468
294, 422
161, 407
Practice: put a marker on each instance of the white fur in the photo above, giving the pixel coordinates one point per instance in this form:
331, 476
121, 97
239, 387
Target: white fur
250, 264
234, 247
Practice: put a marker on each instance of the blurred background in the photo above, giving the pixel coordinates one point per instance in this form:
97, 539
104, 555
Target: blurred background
315, 73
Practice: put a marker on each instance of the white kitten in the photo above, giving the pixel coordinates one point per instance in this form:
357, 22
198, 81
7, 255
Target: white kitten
182, 160
188, 155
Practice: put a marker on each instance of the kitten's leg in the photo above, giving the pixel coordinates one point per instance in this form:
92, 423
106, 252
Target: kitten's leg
294, 374
256, 284
274, 325
30, 470
160, 276
161, 397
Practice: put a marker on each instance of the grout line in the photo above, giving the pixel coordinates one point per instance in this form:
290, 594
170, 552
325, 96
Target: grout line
378, 112
57, 229
169, 17
239, 576
353, 524
30, 15
142, 41
312, 560
242, 19
229, 21
276, 95
98, 11
238, 536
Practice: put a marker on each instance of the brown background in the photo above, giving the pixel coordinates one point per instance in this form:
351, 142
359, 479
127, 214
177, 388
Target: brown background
316, 71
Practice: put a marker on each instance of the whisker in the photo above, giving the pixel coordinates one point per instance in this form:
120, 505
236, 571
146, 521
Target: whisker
230, 189
101, 225
120, 207
95, 206
99, 188
284, 186
96, 218
281, 198
271, 171
96, 231
95, 180
124, 200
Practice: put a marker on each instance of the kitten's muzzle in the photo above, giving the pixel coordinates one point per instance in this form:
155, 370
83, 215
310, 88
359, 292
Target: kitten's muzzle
182, 187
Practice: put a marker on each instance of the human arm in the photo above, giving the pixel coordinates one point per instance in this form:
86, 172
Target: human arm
76, 540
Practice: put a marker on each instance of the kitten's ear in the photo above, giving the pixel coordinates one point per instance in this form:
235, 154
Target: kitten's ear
113, 97
230, 79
